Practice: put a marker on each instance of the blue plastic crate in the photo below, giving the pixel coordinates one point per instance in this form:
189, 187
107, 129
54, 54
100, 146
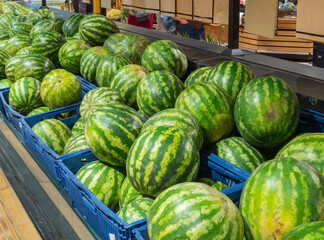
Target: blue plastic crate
1, 104
141, 233
86, 84
310, 120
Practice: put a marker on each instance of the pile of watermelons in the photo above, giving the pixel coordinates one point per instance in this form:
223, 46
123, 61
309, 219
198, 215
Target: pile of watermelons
146, 123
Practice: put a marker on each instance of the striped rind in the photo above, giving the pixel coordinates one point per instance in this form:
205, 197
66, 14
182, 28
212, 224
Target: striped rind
5, 19
19, 19
3, 44
26, 51
165, 55
127, 192
77, 36
11, 66
89, 62
24, 11
160, 158
126, 80
70, 55
4, 35
111, 131
95, 29
4, 57
75, 143
178, 118
308, 147
199, 75
158, 91
59, 22
42, 14
280, 195
213, 183
35, 65
107, 67
212, 106
78, 126
24, 95
194, 211
20, 28
266, 112
112, 41
4, 83
97, 99
38, 111
307, 231
9, 7
103, 180
42, 26
16, 43
135, 210
60, 88
238, 152
71, 25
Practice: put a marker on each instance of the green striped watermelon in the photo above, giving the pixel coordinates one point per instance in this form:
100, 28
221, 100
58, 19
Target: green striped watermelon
3, 44
10, 7
42, 26
199, 75
103, 181
11, 66
54, 134
194, 211
107, 67
126, 80
26, 51
19, 19
24, 95
280, 195
16, 43
131, 47
70, 55
24, 11
212, 106
213, 183
69, 39
78, 126
178, 118
35, 66
307, 231
95, 29
110, 137
158, 91
97, 99
4, 83
77, 36
60, 88
238, 152
4, 58
48, 44
71, 25
59, 22
42, 14
308, 147
20, 28
112, 41
89, 62
272, 117
165, 55
5, 20
4, 35
76, 142
38, 111
135, 210
127, 192
161, 157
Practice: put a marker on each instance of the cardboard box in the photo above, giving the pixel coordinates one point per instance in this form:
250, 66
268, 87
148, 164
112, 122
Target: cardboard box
203, 10
168, 7
184, 9
152, 6
221, 11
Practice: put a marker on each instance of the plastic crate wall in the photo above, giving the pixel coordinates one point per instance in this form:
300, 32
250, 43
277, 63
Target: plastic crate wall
1, 104
318, 55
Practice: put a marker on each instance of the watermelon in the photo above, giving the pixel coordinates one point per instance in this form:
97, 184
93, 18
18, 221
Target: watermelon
24, 11
112, 41
107, 68
5, 20
70, 55
213, 108
103, 181
76, 142
19, 19
135, 210
3, 44
11, 66
238, 152
4, 35
26, 51
280, 195
71, 25
24, 95
194, 211
126, 80
59, 22
77, 36
10, 7
54, 134
89, 62
34, 65
131, 47
38, 111
199, 75
48, 44
161, 157
42, 14
69, 39
78, 126
95, 29
16, 43
308, 147
4, 57
178, 118
97, 99
165, 55
127, 192
117, 134
4, 83
213, 183
42, 26
158, 91
60, 88
20, 28
272, 117
306, 231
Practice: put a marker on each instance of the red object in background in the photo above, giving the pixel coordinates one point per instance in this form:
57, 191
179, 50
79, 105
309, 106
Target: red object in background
145, 24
